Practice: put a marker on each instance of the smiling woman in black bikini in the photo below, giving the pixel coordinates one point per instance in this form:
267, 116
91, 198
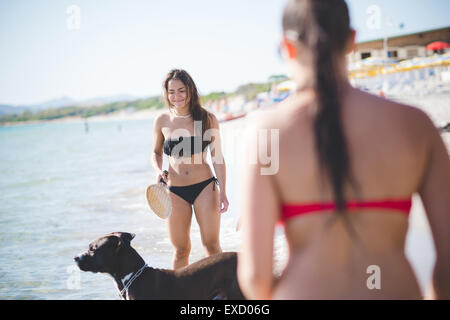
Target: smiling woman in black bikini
184, 133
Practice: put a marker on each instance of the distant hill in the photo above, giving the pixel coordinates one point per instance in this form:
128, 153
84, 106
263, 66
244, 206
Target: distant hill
7, 109
55, 103
17, 109
83, 111
104, 100
63, 102
66, 107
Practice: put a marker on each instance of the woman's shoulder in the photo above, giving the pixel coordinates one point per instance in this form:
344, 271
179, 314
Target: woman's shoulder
290, 112
394, 108
210, 114
409, 119
163, 115
212, 117
161, 118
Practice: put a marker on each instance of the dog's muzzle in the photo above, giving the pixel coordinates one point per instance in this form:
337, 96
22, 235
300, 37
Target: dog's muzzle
84, 262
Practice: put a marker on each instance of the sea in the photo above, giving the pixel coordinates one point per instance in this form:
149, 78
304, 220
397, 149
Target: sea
64, 184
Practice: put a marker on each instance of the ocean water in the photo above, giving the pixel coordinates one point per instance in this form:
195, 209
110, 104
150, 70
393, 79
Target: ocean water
61, 188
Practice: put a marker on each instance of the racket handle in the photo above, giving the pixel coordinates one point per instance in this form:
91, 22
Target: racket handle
166, 174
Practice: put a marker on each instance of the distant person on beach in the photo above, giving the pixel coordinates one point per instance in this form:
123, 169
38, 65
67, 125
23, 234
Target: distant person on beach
183, 133
349, 163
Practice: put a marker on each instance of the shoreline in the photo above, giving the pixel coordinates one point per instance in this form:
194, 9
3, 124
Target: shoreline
115, 116
416, 98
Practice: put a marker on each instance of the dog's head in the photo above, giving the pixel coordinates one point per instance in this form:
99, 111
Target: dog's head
102, 253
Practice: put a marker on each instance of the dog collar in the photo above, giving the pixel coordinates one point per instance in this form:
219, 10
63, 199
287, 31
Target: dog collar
127, 285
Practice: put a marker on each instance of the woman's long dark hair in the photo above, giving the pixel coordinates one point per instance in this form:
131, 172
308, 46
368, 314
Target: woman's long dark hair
196, 110
323, 27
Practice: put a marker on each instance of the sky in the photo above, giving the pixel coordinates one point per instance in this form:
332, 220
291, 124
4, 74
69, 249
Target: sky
84, 49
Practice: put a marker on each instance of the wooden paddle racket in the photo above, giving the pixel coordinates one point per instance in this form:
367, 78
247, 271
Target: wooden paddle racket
158, 198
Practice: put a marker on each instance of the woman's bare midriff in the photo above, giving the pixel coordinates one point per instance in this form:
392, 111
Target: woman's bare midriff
184, 171
329, 264
193, 170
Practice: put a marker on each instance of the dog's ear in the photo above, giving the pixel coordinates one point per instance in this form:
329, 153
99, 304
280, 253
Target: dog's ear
125, 237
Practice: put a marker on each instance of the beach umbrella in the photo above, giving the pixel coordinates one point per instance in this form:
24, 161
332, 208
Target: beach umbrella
438, 45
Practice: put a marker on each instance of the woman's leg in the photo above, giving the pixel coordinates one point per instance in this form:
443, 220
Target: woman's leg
179, 226
206, 207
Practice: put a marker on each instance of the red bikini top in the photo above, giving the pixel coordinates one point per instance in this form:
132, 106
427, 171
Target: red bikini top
289, 211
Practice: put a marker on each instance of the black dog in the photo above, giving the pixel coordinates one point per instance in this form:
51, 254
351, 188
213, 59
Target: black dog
208, 278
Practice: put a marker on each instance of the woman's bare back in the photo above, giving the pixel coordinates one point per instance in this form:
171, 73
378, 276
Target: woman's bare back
387, 143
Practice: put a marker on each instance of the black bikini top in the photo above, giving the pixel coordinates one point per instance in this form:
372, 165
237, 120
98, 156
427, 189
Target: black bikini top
195, 143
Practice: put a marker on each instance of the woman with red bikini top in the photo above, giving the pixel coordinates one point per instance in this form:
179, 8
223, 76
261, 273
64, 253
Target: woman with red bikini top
349, 163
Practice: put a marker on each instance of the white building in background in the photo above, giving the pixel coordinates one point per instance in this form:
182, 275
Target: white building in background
400, 47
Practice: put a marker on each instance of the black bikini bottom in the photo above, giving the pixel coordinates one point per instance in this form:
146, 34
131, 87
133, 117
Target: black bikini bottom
191, 192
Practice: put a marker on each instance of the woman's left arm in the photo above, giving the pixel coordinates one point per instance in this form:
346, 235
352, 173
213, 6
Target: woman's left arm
218, 162
259, 210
